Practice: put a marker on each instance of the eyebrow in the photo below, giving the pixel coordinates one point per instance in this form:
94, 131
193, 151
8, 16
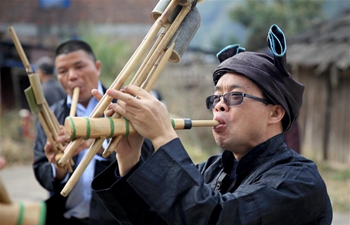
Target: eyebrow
79, 62
233, 86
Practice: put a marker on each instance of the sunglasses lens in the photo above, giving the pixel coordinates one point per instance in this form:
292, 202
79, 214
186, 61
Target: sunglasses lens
233, 99
211, 101
230, 99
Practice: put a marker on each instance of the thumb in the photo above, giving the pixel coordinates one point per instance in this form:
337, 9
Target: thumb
98, 95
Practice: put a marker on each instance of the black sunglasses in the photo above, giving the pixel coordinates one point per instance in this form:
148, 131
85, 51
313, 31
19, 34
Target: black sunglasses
231, 98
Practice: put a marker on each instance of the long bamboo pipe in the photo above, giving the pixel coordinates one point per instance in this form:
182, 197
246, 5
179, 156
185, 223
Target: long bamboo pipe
123, 76
91, 153
169, 38
87, 128
120, 79
46, 117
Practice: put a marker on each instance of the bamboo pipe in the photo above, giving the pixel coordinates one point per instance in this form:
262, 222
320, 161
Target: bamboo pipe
75, 99
94, 148
109, 127
137, 81
152, 59
162, 45
89, 156
125, 73
97, 144
20, 50
37, 109
157, 51
48, 119
140, 76
147, 85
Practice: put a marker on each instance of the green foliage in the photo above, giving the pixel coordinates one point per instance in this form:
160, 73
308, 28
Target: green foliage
113, 53
291, 16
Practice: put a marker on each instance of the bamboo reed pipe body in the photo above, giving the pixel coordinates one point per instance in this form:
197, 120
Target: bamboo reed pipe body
84, 127
20, 50
124, 74
140, 78
38, 102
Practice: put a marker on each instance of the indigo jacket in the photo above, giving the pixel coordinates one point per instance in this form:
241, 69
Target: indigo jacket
270, 185
99, 215
44, 174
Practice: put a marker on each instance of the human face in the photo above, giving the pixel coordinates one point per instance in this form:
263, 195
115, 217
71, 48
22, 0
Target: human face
242, 126
78, 69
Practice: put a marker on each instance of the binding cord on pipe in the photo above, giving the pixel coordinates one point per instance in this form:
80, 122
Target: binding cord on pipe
111, 125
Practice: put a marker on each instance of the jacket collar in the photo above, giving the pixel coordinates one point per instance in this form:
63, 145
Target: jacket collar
254, 157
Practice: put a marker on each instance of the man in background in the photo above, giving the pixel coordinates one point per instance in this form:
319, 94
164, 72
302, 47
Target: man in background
53, 91
76, 66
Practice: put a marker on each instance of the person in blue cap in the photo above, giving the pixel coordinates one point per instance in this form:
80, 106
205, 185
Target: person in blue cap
256, 180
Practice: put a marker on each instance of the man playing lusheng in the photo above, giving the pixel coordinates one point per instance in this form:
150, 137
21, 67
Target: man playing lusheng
256, 180
76, 66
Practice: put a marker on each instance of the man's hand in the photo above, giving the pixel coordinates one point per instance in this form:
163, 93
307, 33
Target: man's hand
129, 148
148, 116
53, 156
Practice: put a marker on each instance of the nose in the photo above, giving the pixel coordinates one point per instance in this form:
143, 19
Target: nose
72, 74
221, 105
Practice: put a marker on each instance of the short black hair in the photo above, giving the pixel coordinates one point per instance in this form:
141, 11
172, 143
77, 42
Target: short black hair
74, 45
46, 68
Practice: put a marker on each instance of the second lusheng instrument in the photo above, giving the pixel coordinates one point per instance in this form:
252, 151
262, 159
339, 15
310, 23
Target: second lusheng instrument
183, 27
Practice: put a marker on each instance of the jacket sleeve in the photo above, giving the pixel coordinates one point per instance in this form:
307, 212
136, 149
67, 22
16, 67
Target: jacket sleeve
121, 199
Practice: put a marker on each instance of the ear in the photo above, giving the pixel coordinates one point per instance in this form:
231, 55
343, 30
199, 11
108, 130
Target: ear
276, 114
98, 65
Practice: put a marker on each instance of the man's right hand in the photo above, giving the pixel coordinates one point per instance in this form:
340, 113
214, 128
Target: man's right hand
52, 155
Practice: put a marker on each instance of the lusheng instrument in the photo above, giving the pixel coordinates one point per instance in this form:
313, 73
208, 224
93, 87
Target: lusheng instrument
84, 127
38, 103
178, 18
19, 212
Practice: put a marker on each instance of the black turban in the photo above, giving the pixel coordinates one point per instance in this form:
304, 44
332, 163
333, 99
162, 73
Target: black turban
268, 73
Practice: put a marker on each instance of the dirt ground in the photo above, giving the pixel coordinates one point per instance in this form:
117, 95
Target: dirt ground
21, 185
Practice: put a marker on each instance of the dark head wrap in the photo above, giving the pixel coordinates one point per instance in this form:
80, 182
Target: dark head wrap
267, 72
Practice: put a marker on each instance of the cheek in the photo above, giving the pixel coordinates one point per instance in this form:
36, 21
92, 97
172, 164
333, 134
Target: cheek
63, 81
245, 124
91, 78
256, 123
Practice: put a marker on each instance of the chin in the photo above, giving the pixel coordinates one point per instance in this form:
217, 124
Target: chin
220, 142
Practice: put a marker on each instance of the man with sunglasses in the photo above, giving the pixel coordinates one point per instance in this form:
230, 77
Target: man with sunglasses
256, 180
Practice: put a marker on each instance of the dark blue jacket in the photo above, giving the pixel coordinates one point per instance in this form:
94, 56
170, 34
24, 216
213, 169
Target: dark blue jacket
270, 185
99, 215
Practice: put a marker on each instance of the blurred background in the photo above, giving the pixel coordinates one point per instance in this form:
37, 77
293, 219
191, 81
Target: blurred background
318, 54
